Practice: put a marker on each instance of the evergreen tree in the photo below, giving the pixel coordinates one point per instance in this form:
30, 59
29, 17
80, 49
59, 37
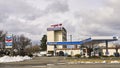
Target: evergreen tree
43, 43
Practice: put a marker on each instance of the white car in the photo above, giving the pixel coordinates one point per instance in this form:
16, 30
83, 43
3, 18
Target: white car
48, 54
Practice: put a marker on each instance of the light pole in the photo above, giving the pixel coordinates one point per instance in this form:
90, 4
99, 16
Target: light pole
70, 38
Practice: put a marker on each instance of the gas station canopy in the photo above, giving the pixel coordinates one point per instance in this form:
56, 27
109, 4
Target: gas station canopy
93, 39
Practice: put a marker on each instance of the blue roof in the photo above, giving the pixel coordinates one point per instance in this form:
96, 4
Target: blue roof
65, 43
87, 40
70, 43
79, 42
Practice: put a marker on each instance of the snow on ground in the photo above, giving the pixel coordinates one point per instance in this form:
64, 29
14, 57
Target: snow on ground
115, 62
13, 58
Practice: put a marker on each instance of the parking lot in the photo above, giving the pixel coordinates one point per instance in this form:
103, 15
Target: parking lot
53, 62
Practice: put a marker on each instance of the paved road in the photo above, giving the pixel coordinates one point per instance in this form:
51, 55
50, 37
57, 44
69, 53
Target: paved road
37, 61
87, 66
65, 66
53, 62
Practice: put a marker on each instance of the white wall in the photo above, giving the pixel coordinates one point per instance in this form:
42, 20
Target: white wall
50, 36
58, 36
50, 47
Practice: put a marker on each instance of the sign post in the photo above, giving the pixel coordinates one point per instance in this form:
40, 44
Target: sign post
9, 41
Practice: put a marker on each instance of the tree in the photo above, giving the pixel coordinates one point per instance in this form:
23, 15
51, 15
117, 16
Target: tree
20, 42
32, 49
43, 43
24, 41
15, 42
117, 46
2, 38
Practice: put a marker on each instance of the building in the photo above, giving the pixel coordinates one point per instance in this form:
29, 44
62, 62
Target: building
112, 51
57, 43
56, 33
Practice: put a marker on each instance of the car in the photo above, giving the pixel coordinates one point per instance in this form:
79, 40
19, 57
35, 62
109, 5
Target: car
48, 54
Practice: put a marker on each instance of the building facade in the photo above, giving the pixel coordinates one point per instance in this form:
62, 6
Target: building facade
56, 33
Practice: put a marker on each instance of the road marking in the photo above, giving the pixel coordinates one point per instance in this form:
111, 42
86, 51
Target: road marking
39, 66
50, 64
61, 63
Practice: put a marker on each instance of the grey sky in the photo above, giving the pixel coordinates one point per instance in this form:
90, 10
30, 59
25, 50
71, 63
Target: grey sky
81, 18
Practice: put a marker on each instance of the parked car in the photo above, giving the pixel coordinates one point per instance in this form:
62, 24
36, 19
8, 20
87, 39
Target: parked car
48, 54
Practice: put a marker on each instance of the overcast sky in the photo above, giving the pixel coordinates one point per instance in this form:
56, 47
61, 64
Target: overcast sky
81, 18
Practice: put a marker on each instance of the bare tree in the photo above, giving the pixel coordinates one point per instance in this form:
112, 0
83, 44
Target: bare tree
2, 39
24, 41
32, 49
20, 42
117, 46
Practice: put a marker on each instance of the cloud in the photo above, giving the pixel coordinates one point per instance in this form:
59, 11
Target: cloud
20, 16
58, 6
19, 9
102, 21
28, 17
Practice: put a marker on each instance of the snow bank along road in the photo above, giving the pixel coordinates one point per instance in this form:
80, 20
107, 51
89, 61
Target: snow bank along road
5, 59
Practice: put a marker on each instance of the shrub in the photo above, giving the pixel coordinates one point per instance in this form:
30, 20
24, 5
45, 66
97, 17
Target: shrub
111, 55
105, 56
94, 57
78, 55
51, 52
30, 55
116, 54
69, 56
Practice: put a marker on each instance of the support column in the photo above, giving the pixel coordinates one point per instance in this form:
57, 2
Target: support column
106, 53
54, 50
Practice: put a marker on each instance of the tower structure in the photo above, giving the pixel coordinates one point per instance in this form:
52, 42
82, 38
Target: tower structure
56, 33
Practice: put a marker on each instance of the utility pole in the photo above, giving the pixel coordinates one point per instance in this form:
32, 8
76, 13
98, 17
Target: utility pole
70, 38
107, 53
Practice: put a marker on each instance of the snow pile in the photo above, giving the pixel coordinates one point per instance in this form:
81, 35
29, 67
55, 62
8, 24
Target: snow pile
114, 61
104, 61
13, 59
88, 62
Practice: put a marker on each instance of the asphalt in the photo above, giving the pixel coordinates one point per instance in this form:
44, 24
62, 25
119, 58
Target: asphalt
54, 62
36, 61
